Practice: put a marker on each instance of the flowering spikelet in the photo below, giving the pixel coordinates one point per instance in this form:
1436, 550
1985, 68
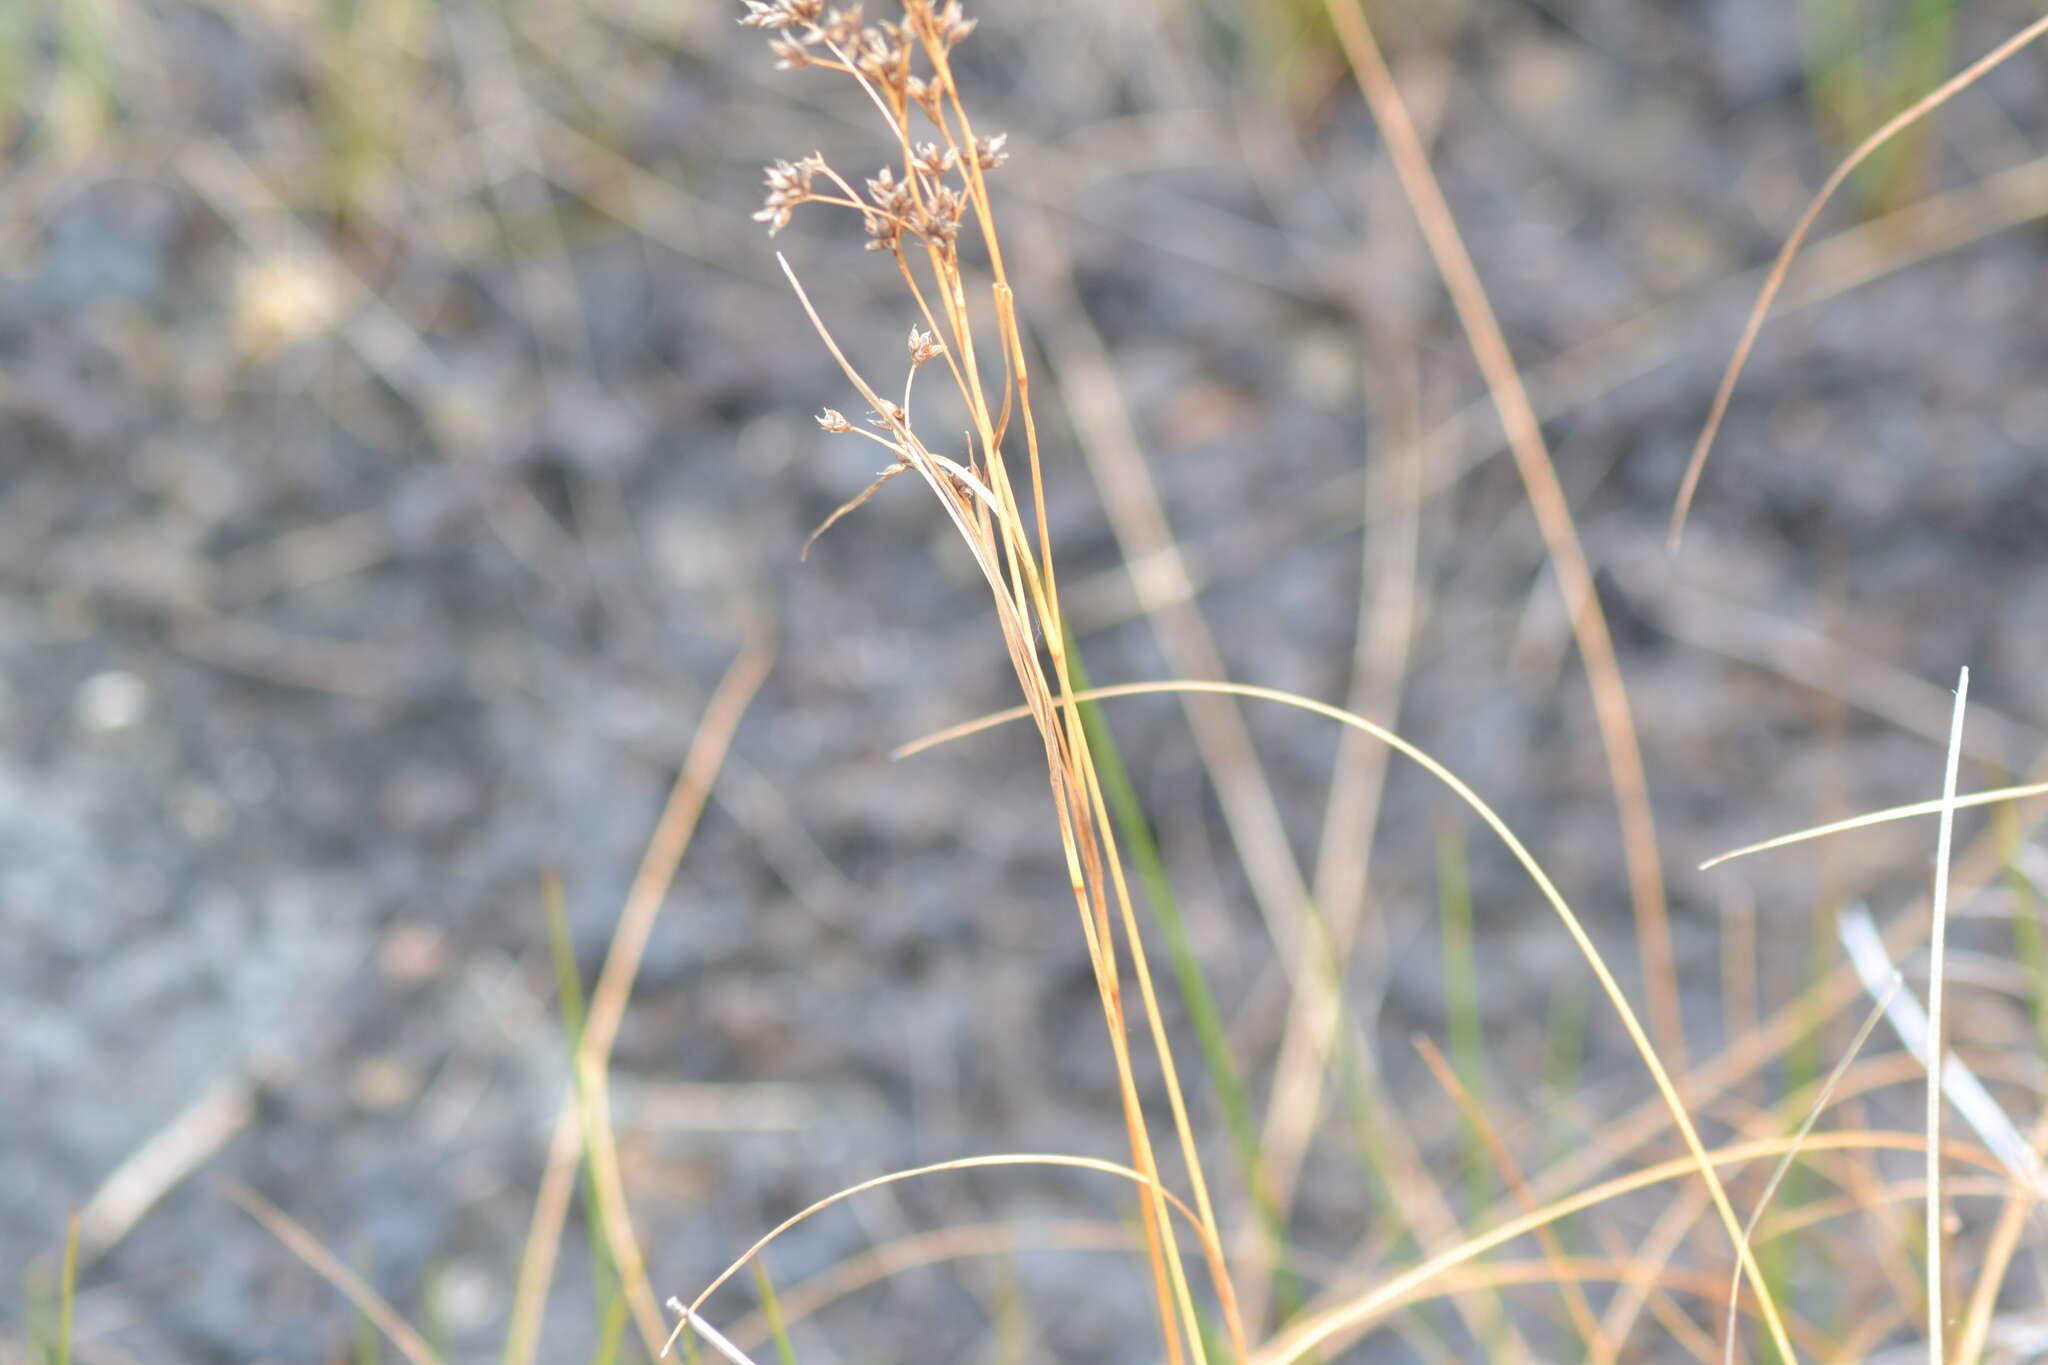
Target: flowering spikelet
788, 186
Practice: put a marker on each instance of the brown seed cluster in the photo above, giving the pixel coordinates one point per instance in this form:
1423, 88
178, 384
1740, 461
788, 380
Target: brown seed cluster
926, 200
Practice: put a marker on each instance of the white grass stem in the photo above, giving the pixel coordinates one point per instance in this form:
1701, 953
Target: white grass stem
706, 1333
1937, 957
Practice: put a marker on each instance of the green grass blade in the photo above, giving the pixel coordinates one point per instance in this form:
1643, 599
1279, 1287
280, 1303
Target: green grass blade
771, 1308
2029, 944
367, 1347
1461, 1001
606, 1285
1207, 1018
611, 1334
67, 1291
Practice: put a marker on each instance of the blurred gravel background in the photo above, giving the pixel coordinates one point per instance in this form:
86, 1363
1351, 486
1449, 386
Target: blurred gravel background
401, 425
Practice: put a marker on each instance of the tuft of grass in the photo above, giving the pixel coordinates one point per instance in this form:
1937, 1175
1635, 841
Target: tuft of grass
932, 220
926, 212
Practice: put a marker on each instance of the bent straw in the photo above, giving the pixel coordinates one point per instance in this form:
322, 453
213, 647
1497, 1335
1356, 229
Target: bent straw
1897, 124
1084, 1163
1878, 817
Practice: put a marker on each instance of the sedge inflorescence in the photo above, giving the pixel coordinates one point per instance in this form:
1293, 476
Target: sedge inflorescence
914, 208
922, 211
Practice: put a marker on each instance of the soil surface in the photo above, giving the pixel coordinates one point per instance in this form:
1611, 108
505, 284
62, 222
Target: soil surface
403, 428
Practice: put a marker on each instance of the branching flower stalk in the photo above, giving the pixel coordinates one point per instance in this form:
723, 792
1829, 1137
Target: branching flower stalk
915, 211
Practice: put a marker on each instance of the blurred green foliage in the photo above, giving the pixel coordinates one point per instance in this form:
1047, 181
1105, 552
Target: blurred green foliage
1865, 61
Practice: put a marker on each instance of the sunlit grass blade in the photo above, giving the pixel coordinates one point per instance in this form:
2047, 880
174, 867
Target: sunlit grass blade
1878, 817
1173, 1202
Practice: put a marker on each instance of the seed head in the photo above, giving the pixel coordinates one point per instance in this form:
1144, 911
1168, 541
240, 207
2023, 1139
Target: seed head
988, 151
788, 186
950, 26
841, 26
783, 14
923, 347
890, 195
832, 419
939, 220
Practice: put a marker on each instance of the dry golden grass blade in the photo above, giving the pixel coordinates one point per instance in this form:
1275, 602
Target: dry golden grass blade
1756, 1048
328, 1267
544, 1237
1820, 1103
1576, 1308
1649, 1257
1331, 1328
1163, 1052
1896, 1277
1389, 605
658, 864
1870, 1197
1679, 1325
1424, 1210
1149, 549
1552, 510
171, 1154
808, 1297
1891, 128
1090, 853
1026, 593
850, 506
1615, 1268
1937, 1044
970, 1163
1597, 368
1998, 1254
1878, 817
1667, 1090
